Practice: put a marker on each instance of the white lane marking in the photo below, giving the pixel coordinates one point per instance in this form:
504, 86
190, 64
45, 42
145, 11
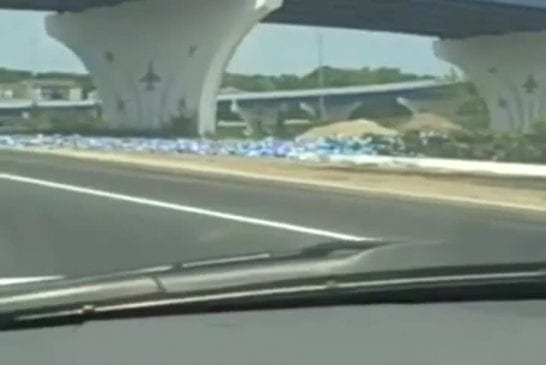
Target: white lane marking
183, 208
25, 280
189, 166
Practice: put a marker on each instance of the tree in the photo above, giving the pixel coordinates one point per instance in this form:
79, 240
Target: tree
453, 76
12, 76
333, 77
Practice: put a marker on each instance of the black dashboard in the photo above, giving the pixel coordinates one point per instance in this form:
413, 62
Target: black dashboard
455, 333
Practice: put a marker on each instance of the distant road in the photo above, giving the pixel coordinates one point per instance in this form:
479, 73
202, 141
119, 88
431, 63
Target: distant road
70, 217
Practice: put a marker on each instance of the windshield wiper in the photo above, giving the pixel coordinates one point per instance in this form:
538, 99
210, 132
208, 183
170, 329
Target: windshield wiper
505, 282
369, 271
207, 274
311, 251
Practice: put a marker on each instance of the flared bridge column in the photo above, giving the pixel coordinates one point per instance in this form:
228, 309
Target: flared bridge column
509, 71
155, 61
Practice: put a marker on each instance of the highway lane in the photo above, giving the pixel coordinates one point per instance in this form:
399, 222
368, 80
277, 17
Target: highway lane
49, 230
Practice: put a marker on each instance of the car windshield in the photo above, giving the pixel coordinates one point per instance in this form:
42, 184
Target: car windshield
136, 134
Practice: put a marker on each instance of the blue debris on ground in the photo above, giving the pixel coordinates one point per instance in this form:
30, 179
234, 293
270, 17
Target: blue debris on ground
268, 147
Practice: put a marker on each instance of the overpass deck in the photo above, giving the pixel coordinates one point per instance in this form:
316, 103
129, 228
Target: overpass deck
442, 18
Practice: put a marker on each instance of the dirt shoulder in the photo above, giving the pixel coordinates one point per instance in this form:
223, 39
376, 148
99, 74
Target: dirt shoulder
489, 191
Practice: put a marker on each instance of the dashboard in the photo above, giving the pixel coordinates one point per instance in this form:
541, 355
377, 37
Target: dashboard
453, 333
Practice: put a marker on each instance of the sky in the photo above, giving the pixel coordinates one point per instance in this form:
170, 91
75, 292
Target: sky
25, 45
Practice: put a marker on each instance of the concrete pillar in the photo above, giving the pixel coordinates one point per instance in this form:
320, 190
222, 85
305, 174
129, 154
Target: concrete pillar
340, 112
447, 108
155, 60
509, 71
260, 119
332, 112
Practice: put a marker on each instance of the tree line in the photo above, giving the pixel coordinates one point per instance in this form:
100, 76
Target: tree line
330, 76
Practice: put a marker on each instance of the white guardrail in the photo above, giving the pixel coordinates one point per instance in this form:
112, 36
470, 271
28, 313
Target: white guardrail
446, 165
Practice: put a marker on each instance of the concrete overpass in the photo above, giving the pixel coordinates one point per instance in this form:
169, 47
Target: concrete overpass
153, 60
336, 104
426, 17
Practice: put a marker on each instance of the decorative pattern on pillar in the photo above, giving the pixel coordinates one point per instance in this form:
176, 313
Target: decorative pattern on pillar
157, 60
509, 71
150, 78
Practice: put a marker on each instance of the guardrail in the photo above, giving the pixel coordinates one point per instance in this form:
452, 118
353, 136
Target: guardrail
445, 165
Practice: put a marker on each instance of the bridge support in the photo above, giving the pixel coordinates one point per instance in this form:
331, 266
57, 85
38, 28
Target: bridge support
261, 120
331, 112
444, 107
509, 71
157, 61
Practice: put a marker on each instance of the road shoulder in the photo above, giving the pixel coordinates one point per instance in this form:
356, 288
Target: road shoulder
477, 190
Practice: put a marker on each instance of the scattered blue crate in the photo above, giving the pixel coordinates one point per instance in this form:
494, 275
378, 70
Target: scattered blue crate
269, 147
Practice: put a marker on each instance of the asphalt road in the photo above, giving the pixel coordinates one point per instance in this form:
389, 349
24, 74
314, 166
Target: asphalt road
60, 216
